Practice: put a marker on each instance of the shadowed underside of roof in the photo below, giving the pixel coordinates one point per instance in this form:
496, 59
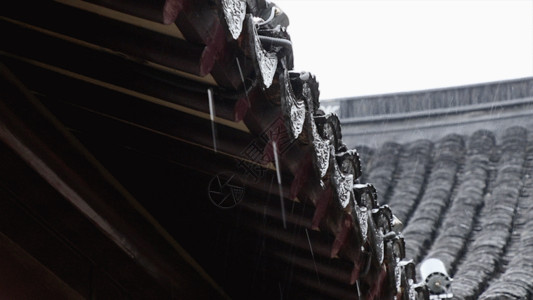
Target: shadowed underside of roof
122, 121
467, 200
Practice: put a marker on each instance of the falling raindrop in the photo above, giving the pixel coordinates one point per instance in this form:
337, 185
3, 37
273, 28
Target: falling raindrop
276, 161
242, 77
358, 289
212, 117
312, 255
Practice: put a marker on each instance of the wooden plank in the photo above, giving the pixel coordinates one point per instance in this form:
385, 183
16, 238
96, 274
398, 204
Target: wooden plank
54, 232
30, 130
173, 102
72, 24
27, 47
43, 245
160, 11
23, 277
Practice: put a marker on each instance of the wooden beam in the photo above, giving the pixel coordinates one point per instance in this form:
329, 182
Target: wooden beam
23, 277
162, 11
72, 24
40, 140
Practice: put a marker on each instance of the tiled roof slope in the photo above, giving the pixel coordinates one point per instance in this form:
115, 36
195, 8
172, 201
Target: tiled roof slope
425, 100
465, 199
433, 114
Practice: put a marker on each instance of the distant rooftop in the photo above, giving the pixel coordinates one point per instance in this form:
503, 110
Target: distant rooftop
466, 200
434, 113
455, 166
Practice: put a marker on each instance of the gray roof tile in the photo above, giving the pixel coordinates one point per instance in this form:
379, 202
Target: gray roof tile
467, 200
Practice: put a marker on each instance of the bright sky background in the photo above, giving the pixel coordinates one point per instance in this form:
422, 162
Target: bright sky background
357, 47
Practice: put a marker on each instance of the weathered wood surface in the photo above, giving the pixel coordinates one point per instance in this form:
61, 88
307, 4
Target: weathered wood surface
121, 100
46, 146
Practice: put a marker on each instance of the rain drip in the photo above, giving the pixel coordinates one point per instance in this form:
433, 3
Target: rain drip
242, 78
312, 255
212, 117
358, 288
276, 160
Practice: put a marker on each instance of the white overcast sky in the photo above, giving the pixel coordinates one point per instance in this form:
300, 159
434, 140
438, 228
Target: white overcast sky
357, 47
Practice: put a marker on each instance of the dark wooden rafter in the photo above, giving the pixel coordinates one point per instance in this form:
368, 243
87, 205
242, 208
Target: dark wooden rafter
162, 11
16, 264
90, 111
57, 157
39, 52
69, 23
245, 46
30, 219
170, 147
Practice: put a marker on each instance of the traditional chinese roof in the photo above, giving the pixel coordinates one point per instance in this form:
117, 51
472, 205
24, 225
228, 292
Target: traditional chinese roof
166, 149
462, 186
433, 114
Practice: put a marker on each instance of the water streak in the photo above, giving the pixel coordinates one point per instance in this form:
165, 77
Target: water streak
212, 116
242, 78
358, 288
312, 255
278, 173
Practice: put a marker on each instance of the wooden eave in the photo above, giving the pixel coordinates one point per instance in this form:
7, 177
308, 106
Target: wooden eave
109, 116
